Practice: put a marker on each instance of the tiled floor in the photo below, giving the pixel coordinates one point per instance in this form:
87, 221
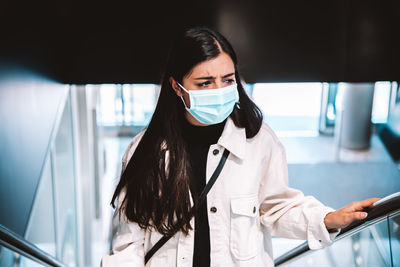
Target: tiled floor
309, 150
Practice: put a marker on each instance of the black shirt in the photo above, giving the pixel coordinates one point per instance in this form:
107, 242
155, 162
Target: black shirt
199, 139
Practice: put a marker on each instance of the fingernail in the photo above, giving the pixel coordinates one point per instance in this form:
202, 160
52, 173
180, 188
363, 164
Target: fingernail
364, 215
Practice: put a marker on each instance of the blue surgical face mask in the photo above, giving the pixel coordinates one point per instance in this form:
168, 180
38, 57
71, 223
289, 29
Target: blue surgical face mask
211, 106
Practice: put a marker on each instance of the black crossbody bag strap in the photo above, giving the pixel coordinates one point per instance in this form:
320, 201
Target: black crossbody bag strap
202, 198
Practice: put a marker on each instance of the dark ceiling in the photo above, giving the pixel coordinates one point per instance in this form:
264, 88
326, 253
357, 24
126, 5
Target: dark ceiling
127, 42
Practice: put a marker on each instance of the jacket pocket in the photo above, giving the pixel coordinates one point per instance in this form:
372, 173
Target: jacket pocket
245, 236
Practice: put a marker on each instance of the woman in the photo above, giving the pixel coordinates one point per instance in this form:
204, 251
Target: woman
203, 111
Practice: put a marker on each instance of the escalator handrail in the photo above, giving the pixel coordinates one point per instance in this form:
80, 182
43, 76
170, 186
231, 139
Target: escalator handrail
16, 243
380, 209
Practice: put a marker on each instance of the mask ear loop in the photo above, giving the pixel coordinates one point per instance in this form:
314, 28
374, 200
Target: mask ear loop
182, 96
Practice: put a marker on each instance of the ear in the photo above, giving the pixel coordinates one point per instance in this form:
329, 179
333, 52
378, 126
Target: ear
177, 89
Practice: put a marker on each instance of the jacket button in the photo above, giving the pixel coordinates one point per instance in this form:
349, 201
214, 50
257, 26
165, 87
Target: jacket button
215, 151
213, 209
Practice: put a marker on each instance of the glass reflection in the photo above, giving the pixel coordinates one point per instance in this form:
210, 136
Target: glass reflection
64, 188
394, 224
41, 230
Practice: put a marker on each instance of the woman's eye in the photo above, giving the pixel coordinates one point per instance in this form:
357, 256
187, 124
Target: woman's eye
203, 84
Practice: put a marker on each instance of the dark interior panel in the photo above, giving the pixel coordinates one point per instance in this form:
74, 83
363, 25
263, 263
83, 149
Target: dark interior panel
276, 41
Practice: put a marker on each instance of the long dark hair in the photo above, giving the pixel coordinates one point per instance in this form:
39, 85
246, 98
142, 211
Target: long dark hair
157, 190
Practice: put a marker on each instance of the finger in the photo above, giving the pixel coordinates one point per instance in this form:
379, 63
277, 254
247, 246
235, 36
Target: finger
369, 202
359, 215
365, 203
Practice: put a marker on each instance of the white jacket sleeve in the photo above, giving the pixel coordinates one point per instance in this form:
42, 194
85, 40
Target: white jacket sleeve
127, 237
285, 211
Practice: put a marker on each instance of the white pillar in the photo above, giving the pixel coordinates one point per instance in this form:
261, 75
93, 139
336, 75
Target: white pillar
354, 108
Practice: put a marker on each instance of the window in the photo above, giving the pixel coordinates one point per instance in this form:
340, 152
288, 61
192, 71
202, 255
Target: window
290, 108
128, 104
380, 106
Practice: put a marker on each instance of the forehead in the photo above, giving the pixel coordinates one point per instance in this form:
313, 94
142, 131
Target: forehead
216, 67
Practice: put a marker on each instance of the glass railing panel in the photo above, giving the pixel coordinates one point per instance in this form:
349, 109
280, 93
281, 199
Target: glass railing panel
64, 189
368, 247
9, 258
394, 225
41, 229
26, 262
6, 257
280, 245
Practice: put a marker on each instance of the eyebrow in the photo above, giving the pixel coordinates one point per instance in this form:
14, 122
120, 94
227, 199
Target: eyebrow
211, 78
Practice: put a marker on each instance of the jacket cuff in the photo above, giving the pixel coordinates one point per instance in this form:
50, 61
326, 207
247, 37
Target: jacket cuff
317, 234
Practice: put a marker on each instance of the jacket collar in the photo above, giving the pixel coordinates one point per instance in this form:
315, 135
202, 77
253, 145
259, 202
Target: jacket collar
233, 138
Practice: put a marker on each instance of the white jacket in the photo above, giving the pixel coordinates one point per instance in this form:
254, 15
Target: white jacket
249, 203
